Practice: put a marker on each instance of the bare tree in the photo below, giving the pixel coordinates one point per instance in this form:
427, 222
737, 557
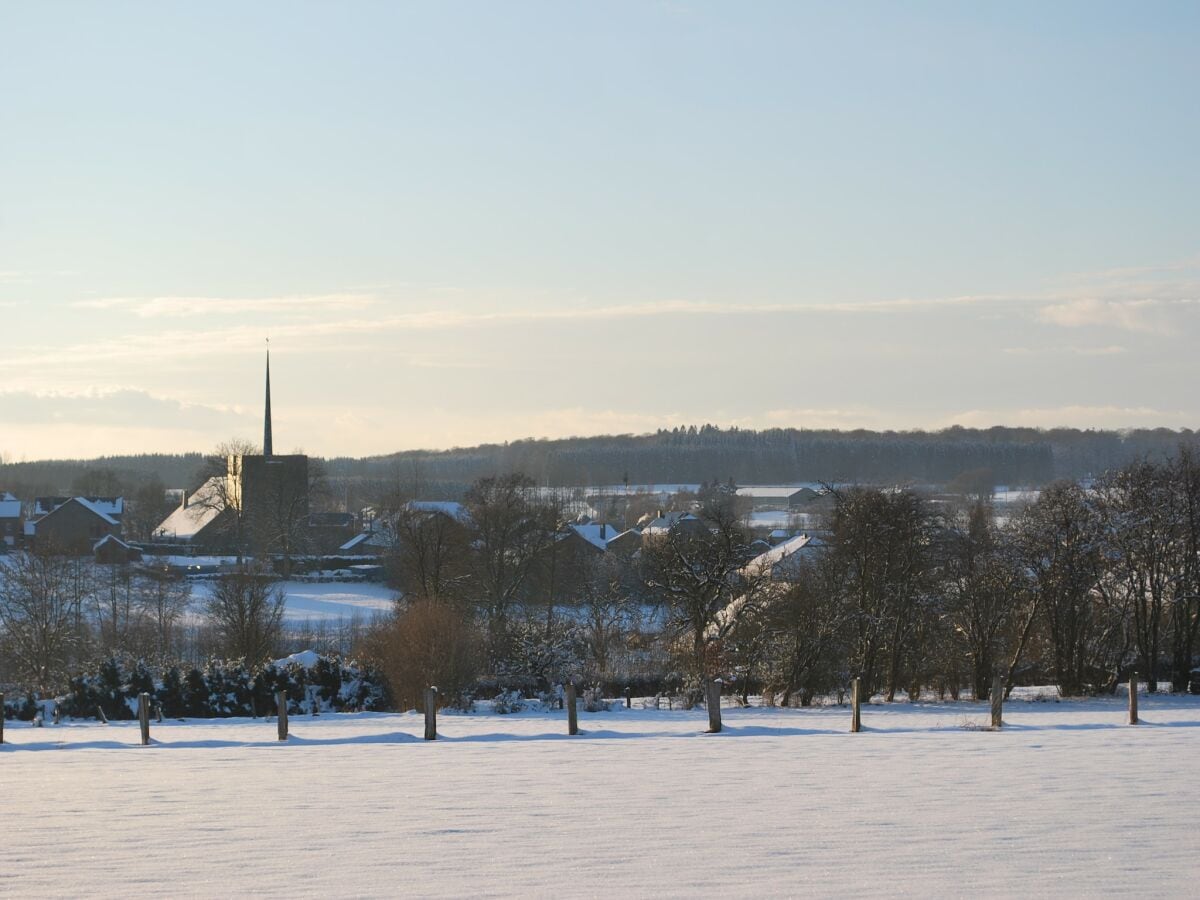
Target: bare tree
1145, 539
509, 530
430, 553
1060, 544
1185, 602
699, 576
41, 616
118, 615
246, 610
984, 588
163, 601
884, 544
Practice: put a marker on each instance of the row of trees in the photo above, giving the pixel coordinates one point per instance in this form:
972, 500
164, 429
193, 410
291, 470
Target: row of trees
903, 592
60, 613
1079, 588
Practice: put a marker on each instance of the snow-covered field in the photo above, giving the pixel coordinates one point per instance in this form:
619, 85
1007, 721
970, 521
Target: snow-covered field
1066, 800
329, 601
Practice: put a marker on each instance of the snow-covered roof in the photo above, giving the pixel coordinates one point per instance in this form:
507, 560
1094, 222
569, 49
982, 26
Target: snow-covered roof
664, 523
598, 534
305, 659
445, 507
10, 506
355, 541
765, 563
381, 539
96, 508
111, 506
203, 506
110, 538
773, 490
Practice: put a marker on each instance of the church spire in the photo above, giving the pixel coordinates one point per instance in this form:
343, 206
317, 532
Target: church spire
267, 450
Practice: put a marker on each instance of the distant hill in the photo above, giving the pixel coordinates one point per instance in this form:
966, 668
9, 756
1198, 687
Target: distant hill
1015, 456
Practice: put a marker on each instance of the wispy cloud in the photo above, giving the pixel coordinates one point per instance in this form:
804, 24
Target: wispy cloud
187, 307
1110, 350
1129, 315
122, 407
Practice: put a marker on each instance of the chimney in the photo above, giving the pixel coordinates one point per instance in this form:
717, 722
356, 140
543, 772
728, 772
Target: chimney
604, 532
183, 499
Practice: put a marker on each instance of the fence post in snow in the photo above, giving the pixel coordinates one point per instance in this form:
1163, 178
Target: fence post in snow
144, 716
628, 698
281, 711
431, 713
855, 714
1133, 689
3, 712
572, 713
713, 702
101, 716
997, 701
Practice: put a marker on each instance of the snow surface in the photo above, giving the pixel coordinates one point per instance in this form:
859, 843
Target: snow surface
1065, 801
308, 601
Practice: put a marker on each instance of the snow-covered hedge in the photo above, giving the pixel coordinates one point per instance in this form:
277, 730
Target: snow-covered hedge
226, 688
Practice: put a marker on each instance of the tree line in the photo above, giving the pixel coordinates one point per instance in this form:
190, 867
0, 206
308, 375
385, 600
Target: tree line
902, 590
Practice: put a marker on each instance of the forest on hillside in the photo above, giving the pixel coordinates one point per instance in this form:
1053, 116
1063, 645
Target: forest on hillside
1014, 456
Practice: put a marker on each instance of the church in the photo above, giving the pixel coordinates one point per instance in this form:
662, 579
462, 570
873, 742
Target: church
258, 504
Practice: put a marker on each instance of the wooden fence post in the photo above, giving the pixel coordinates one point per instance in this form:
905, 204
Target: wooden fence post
855, 714
281, 712
144, 716
3, 713
628, 698
158, 713
1133, 689
997, 701
431, 713
57, 713
713, 701
572, 713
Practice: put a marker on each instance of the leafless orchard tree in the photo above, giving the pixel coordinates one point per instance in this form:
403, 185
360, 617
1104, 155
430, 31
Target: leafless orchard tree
245, 610
42, 598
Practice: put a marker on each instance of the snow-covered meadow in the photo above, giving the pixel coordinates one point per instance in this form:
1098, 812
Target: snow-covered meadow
1066, 800
310, 602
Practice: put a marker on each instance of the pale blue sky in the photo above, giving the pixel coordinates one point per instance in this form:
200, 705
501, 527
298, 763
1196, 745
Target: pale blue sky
480, 221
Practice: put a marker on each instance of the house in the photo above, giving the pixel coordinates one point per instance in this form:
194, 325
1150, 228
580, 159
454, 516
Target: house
201, 520
328, 531
10, 519
666, 523
785, 561
368, 543
448, 508
112, 551
625, 544
73, 526
780, 496
595, 534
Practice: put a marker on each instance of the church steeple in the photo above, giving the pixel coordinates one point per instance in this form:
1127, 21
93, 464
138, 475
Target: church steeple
267, 449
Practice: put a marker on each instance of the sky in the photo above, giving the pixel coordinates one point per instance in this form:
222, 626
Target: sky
461, 222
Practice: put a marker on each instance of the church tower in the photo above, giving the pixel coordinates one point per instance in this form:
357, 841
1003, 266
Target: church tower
267, 448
